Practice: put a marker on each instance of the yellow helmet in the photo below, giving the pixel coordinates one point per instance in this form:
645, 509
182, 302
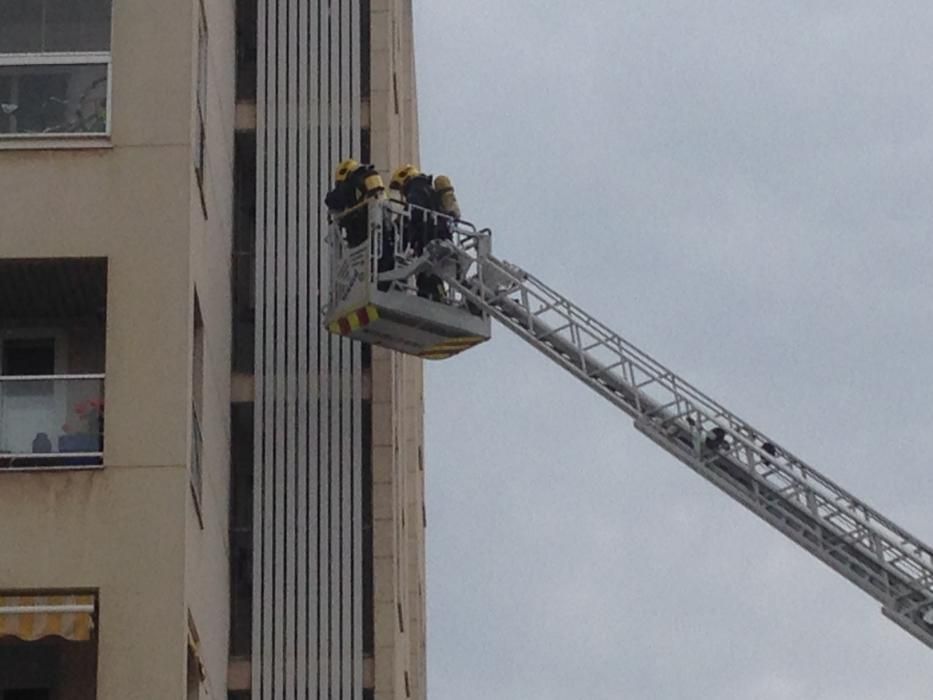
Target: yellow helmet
402, 175
344, 169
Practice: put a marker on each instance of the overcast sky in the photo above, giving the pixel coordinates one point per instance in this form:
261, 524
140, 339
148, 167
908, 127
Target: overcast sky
745, 191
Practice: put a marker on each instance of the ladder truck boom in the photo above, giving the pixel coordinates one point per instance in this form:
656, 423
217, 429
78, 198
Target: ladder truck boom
372, 299
874, 553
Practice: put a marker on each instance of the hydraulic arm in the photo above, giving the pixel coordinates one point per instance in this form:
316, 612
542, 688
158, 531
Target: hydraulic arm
878, 556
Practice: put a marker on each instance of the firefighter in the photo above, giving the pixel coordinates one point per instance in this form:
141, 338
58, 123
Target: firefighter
431, 194
446, 198
354, 184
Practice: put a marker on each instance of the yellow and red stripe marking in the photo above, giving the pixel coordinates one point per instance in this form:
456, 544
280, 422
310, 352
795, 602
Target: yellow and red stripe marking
354, 320
450, 347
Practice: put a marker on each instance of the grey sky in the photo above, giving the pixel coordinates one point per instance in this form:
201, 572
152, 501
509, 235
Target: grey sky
745, 191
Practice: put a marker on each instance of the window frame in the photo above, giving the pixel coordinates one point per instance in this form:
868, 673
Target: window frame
95, 58
63, 58
196, 465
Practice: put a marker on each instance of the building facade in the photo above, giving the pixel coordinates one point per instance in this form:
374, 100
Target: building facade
170, 528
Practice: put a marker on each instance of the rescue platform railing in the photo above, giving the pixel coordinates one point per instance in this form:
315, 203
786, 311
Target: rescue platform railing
392, 248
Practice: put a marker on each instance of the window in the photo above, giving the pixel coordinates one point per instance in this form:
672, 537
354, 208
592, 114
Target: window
196, 475
194, 671
244, 251
53, 319
28, 694
28, 356
48, 646
201, 105
54, 67
246, 21
241, 529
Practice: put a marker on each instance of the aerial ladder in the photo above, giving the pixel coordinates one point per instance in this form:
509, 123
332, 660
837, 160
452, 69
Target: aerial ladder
381, 306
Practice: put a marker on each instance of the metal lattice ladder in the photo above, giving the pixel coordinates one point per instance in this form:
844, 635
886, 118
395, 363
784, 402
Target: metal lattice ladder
878, 556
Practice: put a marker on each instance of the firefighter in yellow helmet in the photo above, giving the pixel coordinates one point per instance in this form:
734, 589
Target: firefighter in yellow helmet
434, 193
430, 194
344, 168
354, 183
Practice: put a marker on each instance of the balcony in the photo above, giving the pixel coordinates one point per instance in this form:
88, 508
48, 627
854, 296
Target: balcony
52, 358
51, 421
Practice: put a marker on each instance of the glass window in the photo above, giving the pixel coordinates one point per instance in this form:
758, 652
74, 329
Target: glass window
28, 694
246, 13
54, 67
201, 106
21, 28
49, 26
53, 99
28, 356
76, 25
52, 360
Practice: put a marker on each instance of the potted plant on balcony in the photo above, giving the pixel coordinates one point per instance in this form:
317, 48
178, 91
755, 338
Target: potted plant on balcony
88, 432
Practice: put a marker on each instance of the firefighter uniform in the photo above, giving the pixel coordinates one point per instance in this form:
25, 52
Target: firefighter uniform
429, 194
354, 184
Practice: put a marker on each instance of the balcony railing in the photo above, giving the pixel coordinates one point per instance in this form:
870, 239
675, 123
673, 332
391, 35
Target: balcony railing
51, 421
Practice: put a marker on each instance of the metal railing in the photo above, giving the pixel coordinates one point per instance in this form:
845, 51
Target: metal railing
51, 421
392, 249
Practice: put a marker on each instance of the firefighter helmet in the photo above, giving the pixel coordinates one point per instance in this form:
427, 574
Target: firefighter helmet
402, 175
344, 169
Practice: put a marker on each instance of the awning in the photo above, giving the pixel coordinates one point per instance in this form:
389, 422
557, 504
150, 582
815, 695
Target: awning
34, 617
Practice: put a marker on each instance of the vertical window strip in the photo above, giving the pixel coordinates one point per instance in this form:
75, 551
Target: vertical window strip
281, 156
289, 212
327, 435
313, 511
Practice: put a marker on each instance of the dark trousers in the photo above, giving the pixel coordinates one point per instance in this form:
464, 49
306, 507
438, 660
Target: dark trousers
386, 259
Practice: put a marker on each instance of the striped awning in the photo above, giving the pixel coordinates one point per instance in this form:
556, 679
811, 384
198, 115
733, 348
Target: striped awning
31, 617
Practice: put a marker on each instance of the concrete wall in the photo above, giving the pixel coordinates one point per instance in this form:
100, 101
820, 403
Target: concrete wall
398, 437
125, 529
95, 530
207, 541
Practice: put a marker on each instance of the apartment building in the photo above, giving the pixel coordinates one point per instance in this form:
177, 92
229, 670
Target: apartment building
202, 494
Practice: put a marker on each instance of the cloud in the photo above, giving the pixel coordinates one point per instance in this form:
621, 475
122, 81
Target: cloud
743, 190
